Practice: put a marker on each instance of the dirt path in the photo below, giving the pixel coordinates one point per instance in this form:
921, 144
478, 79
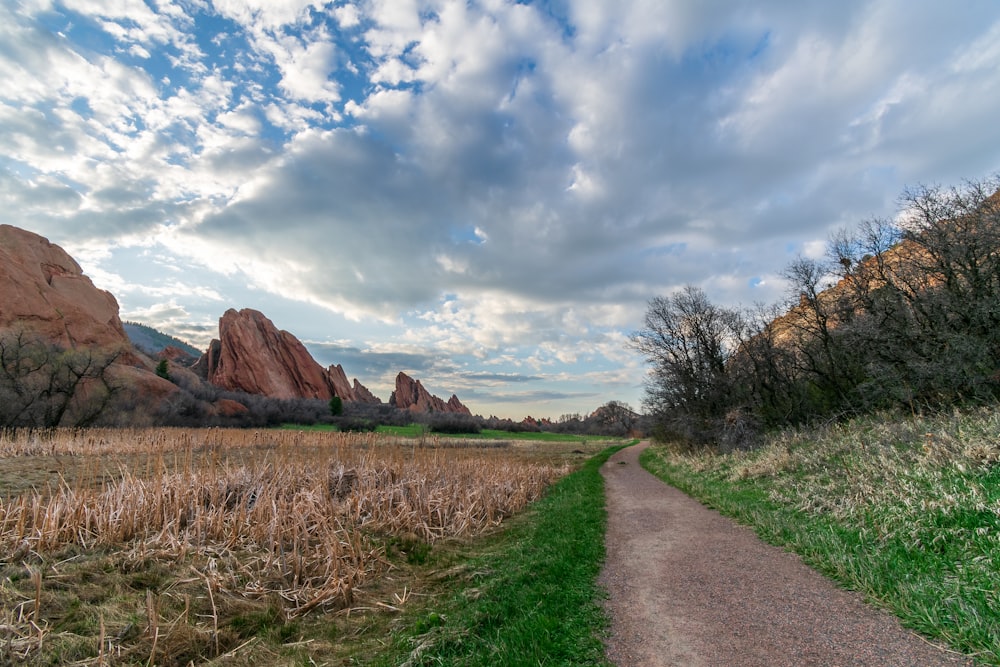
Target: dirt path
690, 587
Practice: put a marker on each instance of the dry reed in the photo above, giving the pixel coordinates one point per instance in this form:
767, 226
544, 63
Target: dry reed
297, 515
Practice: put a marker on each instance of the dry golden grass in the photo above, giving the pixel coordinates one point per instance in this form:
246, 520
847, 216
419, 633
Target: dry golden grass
294, 520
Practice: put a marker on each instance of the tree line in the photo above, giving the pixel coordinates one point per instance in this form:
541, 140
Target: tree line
901, 313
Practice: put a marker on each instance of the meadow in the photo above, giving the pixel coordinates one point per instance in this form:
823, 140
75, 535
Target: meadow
180, 546
904, 510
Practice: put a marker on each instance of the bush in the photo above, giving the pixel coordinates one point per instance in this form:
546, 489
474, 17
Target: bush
355, 425
447, 422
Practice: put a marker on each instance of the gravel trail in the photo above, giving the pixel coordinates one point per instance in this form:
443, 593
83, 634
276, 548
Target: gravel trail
690, 587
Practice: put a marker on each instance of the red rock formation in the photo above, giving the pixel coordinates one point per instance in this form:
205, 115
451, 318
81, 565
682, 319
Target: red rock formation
362, 394
341, 387
253, 356
176, 355
43, 290
225, 407
338, 380
455, 405
411, 395
44, 293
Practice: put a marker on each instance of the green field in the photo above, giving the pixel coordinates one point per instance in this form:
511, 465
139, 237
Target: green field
419, 430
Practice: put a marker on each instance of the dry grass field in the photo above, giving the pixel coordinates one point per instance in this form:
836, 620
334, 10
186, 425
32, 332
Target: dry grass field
181, 546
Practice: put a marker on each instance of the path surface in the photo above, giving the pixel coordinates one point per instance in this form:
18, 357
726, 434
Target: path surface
690, 587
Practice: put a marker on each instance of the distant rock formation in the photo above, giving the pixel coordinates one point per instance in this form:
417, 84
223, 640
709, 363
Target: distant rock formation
411, 395
253, 356
43, 290
177, 356
362, 395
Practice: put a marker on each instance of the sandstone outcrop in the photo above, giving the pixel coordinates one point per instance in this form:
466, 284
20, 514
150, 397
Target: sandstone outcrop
362, 394
44, 291
341, 387
411, 395
177, 356
252, 355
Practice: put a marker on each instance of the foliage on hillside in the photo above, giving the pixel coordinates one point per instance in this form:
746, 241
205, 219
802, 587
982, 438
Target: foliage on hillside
901, 315
152, 341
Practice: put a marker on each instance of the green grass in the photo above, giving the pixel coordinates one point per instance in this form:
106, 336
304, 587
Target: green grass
531, 598
420, 430
906, 512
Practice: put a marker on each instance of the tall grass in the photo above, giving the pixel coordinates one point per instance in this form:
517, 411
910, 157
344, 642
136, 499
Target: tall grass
905, 511
297, 519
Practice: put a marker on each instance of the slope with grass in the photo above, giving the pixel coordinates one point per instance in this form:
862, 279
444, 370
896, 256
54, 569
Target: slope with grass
905, 511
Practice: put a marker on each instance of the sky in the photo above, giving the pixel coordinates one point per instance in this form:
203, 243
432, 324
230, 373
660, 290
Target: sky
483, 194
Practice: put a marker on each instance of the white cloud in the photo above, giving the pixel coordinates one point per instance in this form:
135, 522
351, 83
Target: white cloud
511, 181
348, 16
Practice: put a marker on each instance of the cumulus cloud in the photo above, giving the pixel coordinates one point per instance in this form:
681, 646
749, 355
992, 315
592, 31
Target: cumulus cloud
506, 183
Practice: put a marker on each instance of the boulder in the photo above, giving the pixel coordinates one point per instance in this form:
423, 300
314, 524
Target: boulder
411, 395
225, 407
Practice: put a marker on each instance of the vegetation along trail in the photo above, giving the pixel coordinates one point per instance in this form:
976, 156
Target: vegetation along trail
690, 587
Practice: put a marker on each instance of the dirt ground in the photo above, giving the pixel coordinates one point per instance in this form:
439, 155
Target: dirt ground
690, 587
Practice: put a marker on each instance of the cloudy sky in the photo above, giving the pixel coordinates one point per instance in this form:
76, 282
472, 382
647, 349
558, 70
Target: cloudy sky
484, 194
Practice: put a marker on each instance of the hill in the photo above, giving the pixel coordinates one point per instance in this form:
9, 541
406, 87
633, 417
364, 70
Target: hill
151, 341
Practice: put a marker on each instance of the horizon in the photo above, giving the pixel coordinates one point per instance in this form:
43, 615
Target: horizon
483, 195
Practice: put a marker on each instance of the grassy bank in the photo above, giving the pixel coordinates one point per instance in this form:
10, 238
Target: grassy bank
531, 598
907, 512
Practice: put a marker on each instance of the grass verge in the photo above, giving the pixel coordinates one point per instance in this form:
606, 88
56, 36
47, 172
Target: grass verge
531, 598
906, 512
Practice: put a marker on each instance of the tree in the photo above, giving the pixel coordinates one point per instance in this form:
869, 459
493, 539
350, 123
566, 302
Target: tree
44, 385
617, 416
163, 369
687, 340
336, 406
927, 288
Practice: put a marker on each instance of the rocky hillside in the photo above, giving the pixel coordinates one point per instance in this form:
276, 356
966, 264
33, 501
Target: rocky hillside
153, 342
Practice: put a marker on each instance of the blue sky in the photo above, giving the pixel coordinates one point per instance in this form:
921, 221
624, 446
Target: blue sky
483, 194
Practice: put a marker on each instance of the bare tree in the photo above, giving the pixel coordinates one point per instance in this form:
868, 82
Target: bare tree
687, 340
618, 417
926, 291
44, 385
